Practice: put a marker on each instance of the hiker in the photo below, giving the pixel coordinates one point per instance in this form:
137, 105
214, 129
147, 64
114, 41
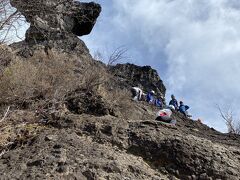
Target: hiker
150, 98
136, 93
183, 109
158, 102
174, 102
164, 115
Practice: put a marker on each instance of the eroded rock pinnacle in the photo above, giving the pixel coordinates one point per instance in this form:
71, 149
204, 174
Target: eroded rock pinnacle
57, 19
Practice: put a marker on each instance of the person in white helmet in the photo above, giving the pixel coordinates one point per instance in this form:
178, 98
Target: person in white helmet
136, 93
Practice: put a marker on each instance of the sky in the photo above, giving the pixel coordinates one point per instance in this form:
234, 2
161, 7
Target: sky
193, 44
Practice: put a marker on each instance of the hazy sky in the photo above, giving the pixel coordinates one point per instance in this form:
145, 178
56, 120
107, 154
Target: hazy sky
193, 44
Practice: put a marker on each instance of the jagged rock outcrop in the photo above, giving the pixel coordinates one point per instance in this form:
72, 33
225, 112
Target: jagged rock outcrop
90, 147
56, 19
55, 26
142, 76
97, 133
82, 102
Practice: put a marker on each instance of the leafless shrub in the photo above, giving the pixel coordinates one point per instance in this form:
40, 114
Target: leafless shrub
117, 55
6, 56
49, 77
10, 20
93, 78
232, 124
98, 56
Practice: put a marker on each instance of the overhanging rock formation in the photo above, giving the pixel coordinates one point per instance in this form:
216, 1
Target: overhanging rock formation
55, 25
56, 19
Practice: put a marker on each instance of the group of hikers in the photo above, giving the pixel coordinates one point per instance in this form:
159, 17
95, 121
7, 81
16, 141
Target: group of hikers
139, 95
165, 112
181, 108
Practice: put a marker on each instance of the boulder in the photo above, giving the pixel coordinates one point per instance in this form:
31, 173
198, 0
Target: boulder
56, 19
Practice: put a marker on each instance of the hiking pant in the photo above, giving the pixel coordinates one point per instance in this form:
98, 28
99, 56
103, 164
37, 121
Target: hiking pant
166, 119
185, 113
135, 94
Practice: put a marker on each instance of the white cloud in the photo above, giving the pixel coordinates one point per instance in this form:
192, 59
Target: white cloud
195, 45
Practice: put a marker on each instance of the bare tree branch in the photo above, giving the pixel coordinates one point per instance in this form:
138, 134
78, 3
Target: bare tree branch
117, 55
227, 115
9, 18
5, 115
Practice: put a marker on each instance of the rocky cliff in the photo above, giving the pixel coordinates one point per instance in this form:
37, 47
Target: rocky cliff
68, 116
144, 77
55, 26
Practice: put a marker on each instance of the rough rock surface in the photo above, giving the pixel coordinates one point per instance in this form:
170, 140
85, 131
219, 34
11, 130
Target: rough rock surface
144, 77
98, 136
90, 147
81, 102
55, 25
57, 18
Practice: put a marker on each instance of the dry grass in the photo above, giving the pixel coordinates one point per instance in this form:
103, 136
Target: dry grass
119, 100
6, 56
48, 77
39, 76
94, 78
44, 81
19, 125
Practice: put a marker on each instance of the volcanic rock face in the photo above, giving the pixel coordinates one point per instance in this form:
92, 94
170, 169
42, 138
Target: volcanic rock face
89, 147
57, 18
55, 26
99, 134
144, 77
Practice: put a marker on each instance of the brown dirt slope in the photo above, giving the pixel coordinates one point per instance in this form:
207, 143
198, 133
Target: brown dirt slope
71, 117
83, 146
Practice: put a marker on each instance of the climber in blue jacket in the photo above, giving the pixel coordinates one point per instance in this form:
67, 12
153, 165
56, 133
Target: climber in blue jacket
158, 103
183, 109
150, 97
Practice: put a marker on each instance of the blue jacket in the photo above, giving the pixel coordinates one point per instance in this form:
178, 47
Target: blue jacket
149, 97
183, 108
158, 103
